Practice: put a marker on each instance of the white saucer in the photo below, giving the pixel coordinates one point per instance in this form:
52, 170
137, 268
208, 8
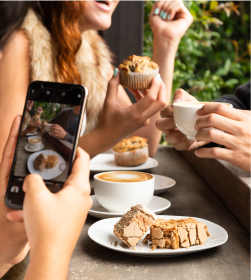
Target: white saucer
31, 133
105, 162
157, 205
162, 183
26, 147
101, 232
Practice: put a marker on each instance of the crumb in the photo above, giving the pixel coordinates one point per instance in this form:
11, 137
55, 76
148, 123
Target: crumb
213, 237
134, 248
116, 243
187, 247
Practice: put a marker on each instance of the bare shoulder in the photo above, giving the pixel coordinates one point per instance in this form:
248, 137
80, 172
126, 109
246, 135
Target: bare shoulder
17, 47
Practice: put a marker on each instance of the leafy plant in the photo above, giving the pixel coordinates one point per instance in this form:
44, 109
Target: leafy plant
214, 55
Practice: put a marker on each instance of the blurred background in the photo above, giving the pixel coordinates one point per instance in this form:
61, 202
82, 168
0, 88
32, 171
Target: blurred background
214, 55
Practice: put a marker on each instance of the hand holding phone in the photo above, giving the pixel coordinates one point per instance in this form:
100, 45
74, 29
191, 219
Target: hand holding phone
13, 245
60, 107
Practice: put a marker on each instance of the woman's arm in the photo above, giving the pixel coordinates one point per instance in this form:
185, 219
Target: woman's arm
120, 119
14, 81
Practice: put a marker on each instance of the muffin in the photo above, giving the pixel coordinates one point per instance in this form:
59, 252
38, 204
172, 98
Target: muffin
137, 72
131, 152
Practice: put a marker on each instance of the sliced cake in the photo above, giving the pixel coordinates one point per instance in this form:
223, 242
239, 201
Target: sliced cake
134, 224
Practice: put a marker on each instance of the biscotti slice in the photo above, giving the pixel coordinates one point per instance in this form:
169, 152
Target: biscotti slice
190, 232
40, 162
164, 235
134, 224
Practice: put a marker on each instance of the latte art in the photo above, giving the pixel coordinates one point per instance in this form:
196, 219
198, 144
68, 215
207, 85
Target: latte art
124, 176
35, 140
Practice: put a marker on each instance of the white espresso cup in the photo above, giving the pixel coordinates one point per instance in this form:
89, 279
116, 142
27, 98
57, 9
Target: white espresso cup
34, 142
185, 116
47, 126
117, 191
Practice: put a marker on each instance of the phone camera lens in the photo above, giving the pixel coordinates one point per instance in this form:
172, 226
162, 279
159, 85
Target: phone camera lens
79, 95
32, 91
63, 93
47, 92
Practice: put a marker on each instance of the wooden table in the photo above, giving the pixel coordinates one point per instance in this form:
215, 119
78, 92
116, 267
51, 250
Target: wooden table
191, 196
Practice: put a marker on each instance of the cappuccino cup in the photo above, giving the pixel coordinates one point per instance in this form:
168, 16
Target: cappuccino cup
47, 126
185, 116
34, 142
117, 191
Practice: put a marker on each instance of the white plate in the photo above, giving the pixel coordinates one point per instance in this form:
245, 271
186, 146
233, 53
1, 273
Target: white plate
47, 174
31, 133
106, 162
26, 147
162, 183
157, 205
101, 232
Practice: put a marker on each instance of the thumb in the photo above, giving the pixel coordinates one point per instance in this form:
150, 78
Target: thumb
34, 184
181, 95
112, 89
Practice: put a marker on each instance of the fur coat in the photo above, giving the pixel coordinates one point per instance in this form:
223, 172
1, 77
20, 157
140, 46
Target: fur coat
94, 72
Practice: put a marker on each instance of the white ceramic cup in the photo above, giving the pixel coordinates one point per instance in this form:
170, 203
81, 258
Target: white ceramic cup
118, 197
34, 146
185, 116
47, 126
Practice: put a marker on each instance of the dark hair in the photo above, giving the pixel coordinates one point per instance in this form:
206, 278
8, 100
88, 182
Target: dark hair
12, 14
62, 19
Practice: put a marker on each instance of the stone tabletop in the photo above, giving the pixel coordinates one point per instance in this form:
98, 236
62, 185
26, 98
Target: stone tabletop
191, 196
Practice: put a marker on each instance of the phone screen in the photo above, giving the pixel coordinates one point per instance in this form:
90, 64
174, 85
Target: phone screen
48, 137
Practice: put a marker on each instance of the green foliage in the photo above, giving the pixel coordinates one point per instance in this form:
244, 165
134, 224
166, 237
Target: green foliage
214, 55
50, 110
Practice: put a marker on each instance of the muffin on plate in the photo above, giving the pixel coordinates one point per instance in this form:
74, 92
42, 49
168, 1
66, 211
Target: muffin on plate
137, 72
131, 152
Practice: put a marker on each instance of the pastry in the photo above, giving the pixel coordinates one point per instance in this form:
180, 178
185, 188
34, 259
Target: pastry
137, 72
134, 224
52, 160
131, 152
40, 162
176, 234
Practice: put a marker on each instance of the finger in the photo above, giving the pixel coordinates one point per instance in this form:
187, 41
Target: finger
167, 111
79, 177
216, 153
172, 9
15, 216
158, 105
10, 149
181, 95
174, 136
138, 95
188, 145
216, 136
217, 121
112, 89
34, 184
156, 8
220, 109
165, 124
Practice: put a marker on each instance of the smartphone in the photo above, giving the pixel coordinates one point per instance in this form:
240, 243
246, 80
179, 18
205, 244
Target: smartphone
48, 137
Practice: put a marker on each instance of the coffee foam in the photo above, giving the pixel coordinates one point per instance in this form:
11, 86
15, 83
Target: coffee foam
35, 140
124, 176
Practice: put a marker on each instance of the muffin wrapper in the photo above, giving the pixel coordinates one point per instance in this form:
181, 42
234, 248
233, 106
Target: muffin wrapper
131, 158
137, 80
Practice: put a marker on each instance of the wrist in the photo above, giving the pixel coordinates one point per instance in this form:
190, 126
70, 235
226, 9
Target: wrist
162, 43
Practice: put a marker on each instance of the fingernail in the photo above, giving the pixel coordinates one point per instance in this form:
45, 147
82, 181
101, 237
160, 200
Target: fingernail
156, 12
115, 72
196, 152
168, 17
158, 77
177, 100
164, 15
161, 14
